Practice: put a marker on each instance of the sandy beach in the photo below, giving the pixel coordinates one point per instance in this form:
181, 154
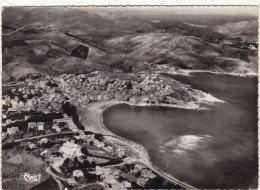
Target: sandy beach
91, 115
92, 119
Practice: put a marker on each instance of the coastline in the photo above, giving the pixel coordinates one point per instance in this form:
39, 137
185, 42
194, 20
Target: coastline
93, 121
188, 72
92, 114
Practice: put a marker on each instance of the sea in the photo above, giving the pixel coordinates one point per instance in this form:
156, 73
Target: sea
214, 148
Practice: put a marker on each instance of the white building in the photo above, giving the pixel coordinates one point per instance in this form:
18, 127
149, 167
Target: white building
26, 117
14, 103
71, 150
127, 184
77, 173
56, 128
44, 140
40, 126
44, 152
32, 146
32, 125
12, 130
3, 134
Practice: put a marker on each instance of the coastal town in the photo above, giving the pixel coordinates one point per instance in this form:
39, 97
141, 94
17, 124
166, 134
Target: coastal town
42, 125
156, 97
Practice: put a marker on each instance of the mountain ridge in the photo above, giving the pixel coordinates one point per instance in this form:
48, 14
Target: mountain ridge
116, 40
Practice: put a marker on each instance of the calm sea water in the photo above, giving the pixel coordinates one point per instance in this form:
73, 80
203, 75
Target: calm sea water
216, 148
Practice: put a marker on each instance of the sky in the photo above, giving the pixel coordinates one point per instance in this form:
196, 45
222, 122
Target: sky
217, 10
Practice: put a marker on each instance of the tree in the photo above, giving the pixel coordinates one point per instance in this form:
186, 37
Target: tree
69, 109
157, 182
84, 150
81, 127
75, 118
80, 51
51, 84
129, 85
86, 164
99, 137
66, 162
76, 162
91, 177
4, 107
57, 154
54, 84
48, 144
62, 124
93, 164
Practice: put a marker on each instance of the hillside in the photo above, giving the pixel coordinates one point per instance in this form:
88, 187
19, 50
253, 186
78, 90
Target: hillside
161, 47
118, 41
243, 27
247, 30
192, 52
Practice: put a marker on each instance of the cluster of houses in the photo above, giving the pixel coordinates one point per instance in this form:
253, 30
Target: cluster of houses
40, 127
70, 150
83, 89
36, 126
117, 151
17, 105
145, 176
12, 131
32, 126
37, 99
67, 121
80, 90
110, 176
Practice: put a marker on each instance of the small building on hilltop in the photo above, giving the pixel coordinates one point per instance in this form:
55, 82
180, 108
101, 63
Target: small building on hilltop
80, 52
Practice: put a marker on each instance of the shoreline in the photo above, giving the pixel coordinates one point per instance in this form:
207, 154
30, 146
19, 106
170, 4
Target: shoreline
99, 107
188, 72
93, 121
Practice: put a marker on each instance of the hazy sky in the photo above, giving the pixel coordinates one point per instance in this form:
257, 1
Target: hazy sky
228, 10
